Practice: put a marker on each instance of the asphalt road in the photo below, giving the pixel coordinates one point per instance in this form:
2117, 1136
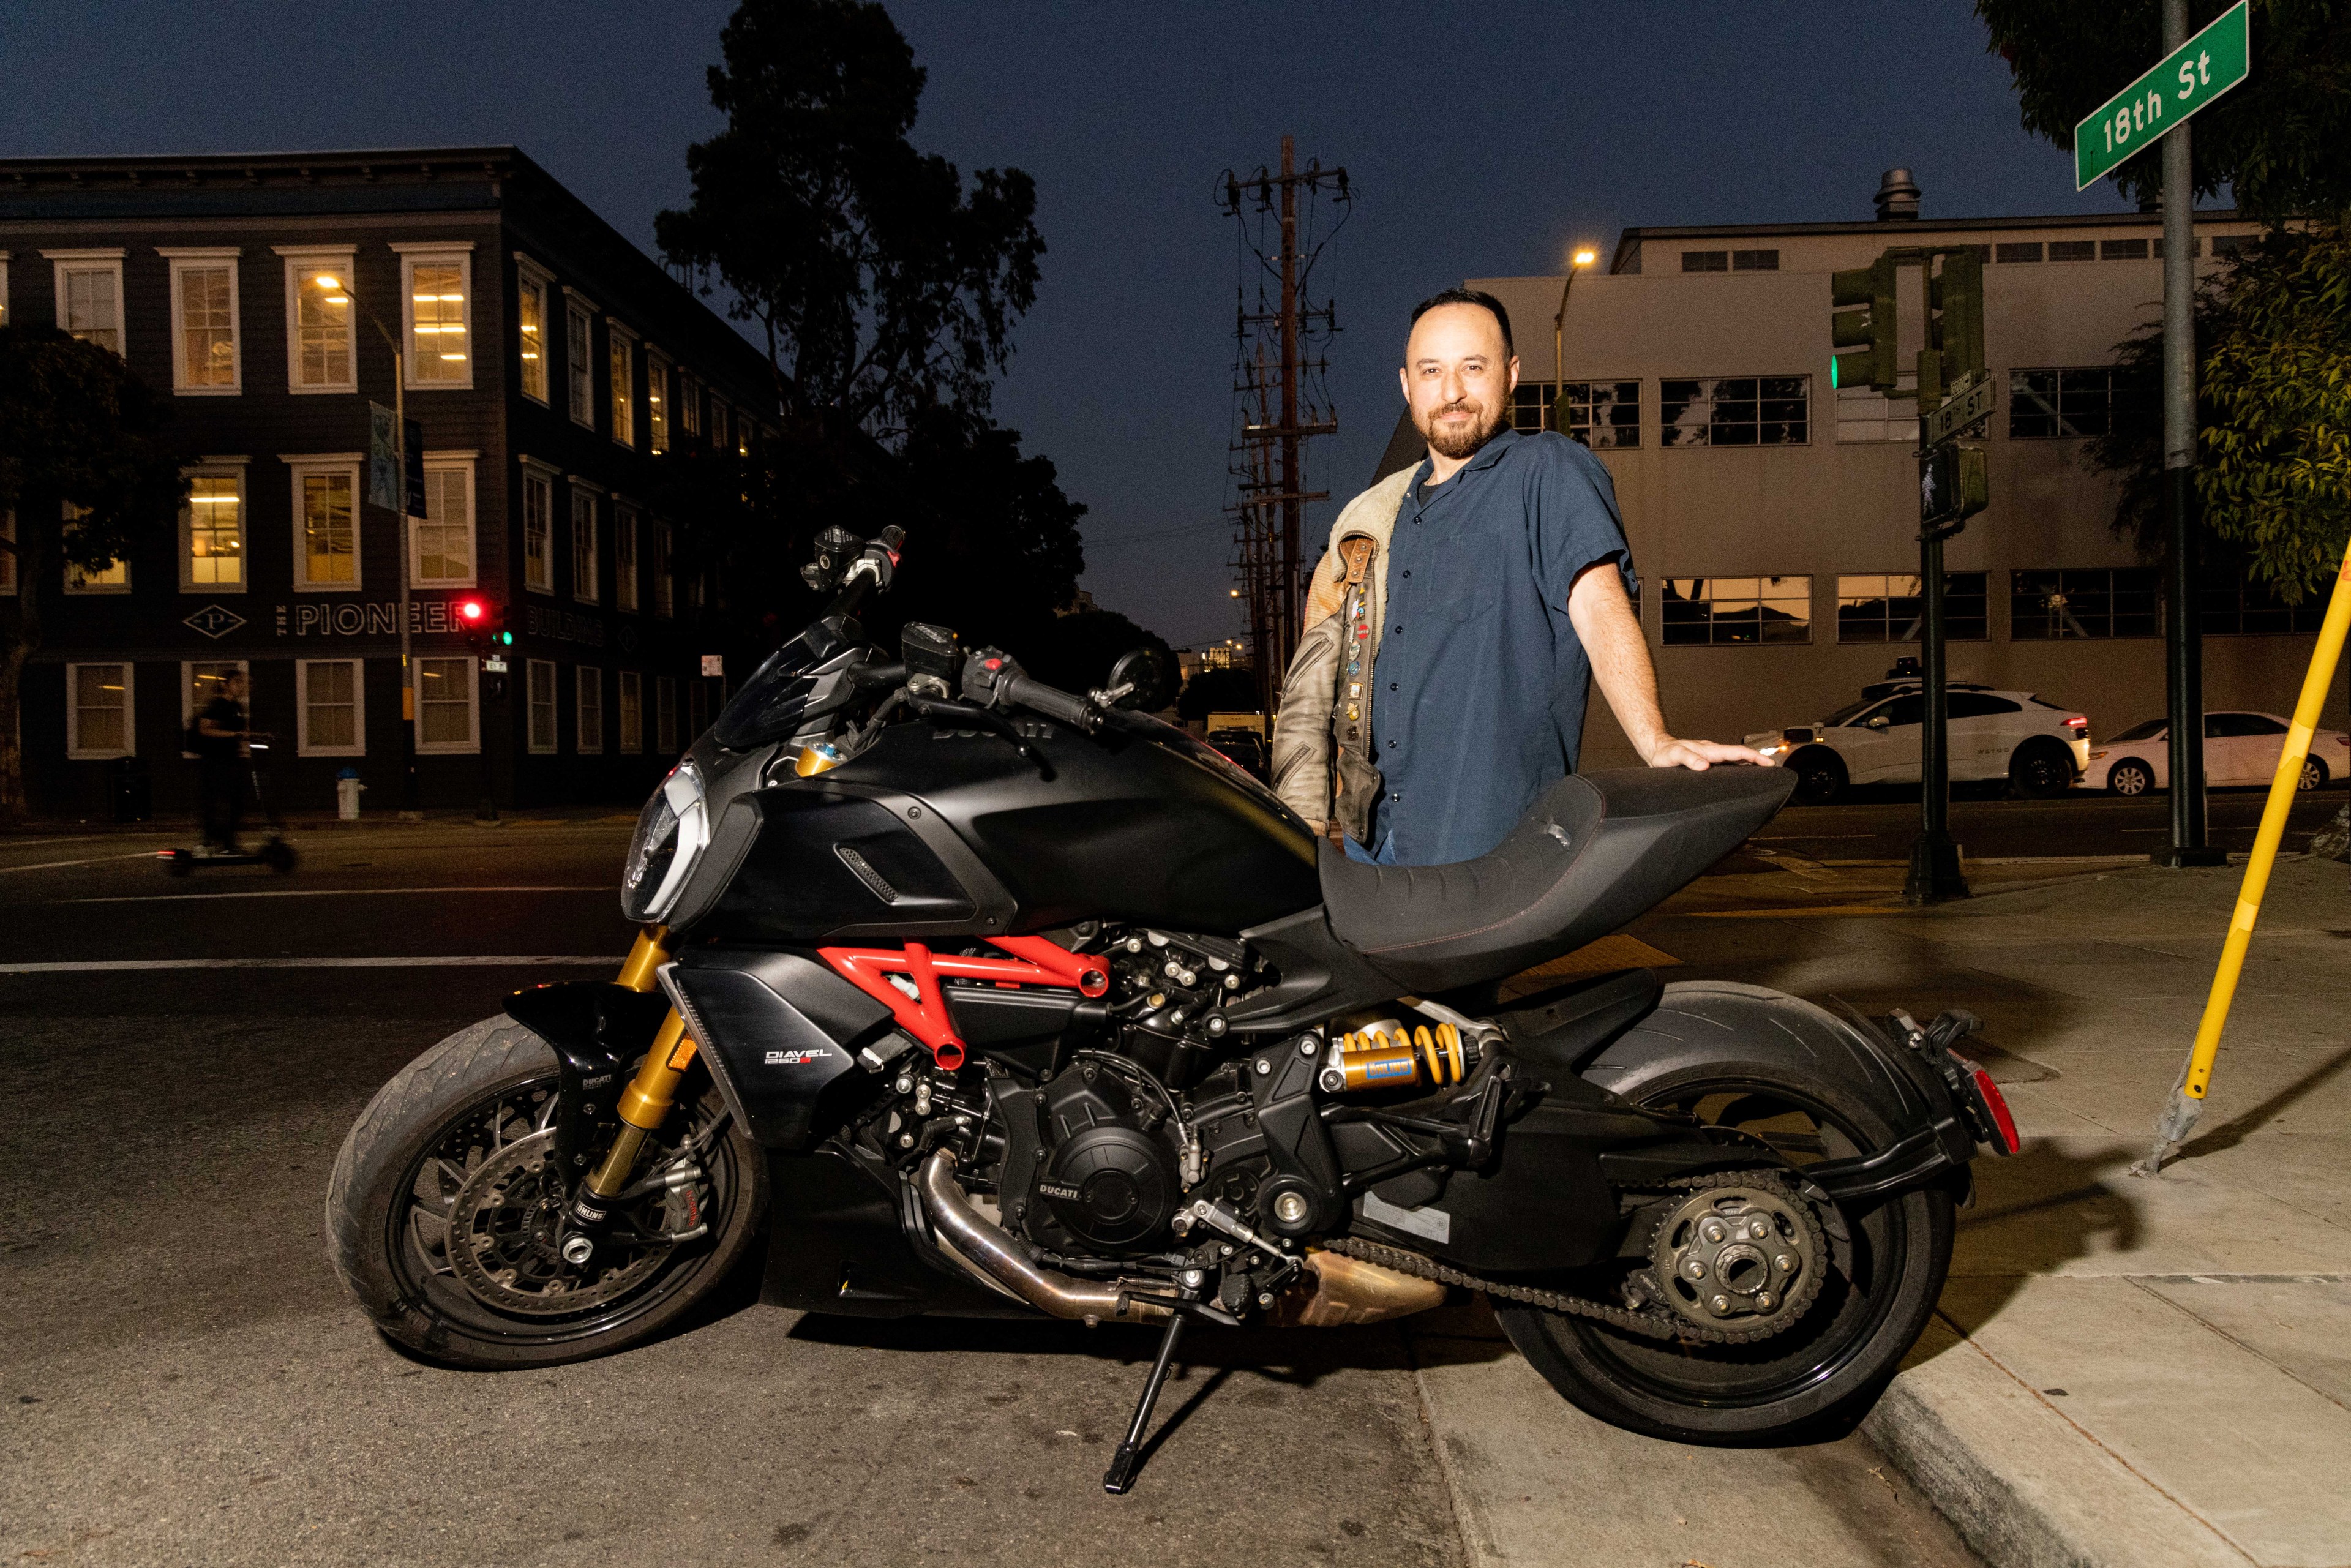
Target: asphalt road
1880, 824
182, 1381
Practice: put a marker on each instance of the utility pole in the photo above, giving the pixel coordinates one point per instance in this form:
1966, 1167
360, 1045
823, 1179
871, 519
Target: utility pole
1276, 385
409, 809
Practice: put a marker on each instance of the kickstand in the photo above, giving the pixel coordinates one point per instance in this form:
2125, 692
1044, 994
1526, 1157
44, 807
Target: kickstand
1120, 1478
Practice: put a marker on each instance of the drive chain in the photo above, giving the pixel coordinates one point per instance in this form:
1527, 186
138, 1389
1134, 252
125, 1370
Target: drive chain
1653, 1324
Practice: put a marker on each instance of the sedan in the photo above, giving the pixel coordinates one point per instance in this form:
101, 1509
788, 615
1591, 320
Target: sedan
2239, 747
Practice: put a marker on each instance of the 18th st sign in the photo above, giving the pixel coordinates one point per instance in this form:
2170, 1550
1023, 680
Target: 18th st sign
2184, 81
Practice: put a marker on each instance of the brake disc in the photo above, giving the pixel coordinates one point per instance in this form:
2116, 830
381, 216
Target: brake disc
504, 1226
1747, 1257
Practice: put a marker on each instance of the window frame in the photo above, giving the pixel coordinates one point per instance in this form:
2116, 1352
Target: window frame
580, 368
629, 707
216, 468
75, 750
689, 403
303, 745
1667, 623
1705, 261
430, 253
554, 707
1710, 399
473, 742
545, 477
532, 279
447, 463
621, 383
184, 259
302, 260
659, 379
1535, 399
100, 258
628, 528
2117, 386
664, 565
587, 680
188, 693
587, 561
1887, 596
71, 574
2148, 580
299, 466
8, 536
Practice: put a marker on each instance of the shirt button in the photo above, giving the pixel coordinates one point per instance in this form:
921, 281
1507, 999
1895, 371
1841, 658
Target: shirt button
1399, 631
1391, 745
1407, 572
1396, 797
1391, 685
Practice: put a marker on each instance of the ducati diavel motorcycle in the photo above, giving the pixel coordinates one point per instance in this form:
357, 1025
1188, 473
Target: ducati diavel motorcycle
961, 994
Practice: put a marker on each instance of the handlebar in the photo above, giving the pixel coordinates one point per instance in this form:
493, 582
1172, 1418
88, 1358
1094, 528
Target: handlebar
1051, 701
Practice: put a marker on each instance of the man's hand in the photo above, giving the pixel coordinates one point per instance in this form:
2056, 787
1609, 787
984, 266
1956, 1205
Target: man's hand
1700, 754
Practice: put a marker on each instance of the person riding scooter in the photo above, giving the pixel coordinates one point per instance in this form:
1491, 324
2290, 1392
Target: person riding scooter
221, 750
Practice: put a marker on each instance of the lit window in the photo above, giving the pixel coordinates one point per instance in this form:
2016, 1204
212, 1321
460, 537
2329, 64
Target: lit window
2060, 605
332, 713
1717, 610
1891, 609
583, 547
632, 712
440, 347
204, 315
204, 682
665, 713
212, 534
623, 387
530, 309
538, 531
326, 528
656, 402
99, 711
590, 735
1734, 410
580, 373
542, 675
90, 295
1619, 403
318, 355
1863, 414
444, 705
442, 539
114, 577
624, 558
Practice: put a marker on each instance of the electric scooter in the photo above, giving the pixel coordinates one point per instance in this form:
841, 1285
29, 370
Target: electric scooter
274, 851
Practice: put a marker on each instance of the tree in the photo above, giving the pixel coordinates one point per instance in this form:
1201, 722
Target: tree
77, 430
1076, 651
882, 285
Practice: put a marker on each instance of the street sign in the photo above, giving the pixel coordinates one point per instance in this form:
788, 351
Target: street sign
714, 664
2189, 77
494, 665
1962, 408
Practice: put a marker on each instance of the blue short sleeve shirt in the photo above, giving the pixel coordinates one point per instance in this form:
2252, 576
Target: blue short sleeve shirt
1481, 677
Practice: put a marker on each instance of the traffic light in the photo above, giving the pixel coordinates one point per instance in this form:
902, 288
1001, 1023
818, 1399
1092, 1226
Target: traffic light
484, 622
1955, 323
1870, 329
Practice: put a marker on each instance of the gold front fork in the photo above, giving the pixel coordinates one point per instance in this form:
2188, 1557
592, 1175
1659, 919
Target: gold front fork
647, 1099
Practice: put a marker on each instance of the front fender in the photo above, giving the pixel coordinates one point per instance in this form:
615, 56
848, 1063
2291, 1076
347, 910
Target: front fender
597, 1028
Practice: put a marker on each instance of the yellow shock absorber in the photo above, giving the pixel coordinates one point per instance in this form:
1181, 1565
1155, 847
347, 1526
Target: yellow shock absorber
640, 971
649, 1097
1384, 1056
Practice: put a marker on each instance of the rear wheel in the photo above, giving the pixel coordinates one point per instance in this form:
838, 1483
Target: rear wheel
1819, 776
1886, 1267
2130, 777
2041, 768
440, 1215
2313, 775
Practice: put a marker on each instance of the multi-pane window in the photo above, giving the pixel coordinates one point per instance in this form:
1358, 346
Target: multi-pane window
1892, 609
542, 675
1754, 261
2056, 404
665, 580
689, 402
2122, 250
90, 297
440, 343
114, 577
330, 714
2244, 606
538, 531
444, 705
1734, 410
97, 711
319, 354
578, 371
212, 532
624, 558
623, 386
2124, 602
442, 541
656, 402
1714, 610
2223, 245
530, 330
204, 318
589, 735
665, 713
1617, 403
1705, 261
632, 712
583, 547
326, 528
2020, 250
718, 434
2073, 250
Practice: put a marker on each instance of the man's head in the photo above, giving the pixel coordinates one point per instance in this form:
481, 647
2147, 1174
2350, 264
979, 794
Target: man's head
233, 685
1459, 371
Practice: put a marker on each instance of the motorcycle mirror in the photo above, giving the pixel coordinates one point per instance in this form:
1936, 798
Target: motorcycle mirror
1135, 679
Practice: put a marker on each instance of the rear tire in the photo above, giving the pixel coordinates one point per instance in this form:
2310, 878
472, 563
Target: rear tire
473, 1098
2041, 769
2130, 778
1819, 776
2313, 775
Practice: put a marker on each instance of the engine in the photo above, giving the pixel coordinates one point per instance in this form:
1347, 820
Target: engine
1112, 1179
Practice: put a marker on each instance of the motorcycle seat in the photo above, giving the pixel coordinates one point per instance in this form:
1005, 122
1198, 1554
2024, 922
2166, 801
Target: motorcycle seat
1596, 851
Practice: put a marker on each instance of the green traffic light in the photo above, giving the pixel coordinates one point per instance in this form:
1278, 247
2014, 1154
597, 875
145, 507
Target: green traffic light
506, 639
1833, 379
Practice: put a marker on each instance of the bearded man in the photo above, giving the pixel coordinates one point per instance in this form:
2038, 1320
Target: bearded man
1459, 618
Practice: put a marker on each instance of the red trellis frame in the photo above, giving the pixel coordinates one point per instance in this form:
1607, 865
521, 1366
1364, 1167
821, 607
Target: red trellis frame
1035, 961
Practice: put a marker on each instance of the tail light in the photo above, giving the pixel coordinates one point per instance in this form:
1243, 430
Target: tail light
1987, 1109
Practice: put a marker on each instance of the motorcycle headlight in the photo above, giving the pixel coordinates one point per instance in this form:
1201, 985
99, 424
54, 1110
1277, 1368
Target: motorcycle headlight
672, 833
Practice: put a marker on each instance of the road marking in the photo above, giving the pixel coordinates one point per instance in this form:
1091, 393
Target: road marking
468, 961
1807, 838
100, 860
316, 893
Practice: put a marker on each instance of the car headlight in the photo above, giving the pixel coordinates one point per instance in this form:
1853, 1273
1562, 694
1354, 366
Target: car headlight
672, 833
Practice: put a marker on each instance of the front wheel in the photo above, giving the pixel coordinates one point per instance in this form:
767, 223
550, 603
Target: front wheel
2041, 769
1886, 1268
2130, 778
1819, 776
2313, 775
442, 1212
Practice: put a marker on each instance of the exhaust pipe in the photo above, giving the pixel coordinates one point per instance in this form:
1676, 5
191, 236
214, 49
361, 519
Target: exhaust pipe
993, 1257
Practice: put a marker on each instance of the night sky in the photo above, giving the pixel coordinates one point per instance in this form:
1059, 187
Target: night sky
1483, 140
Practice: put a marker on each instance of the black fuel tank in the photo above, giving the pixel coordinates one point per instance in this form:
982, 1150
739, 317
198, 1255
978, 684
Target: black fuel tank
1151, 827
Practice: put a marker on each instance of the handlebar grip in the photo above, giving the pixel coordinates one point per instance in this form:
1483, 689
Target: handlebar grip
1051, 701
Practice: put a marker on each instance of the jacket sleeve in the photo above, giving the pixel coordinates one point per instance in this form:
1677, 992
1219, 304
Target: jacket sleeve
1302, 729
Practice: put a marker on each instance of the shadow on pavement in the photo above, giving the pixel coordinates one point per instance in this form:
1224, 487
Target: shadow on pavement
2237, 1128
2037, 1211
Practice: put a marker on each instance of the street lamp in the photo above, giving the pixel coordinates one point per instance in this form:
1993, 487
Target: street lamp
1585, 257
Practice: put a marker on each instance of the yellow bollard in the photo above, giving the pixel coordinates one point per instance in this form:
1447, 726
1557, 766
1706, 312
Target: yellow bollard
2187, 1102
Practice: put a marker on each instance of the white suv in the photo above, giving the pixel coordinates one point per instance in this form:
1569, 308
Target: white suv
2039, 747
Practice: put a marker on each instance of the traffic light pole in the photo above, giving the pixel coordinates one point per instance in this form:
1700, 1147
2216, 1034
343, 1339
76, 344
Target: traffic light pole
1935, 874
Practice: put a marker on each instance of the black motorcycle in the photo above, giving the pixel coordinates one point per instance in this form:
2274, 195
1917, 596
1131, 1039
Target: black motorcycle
981, 998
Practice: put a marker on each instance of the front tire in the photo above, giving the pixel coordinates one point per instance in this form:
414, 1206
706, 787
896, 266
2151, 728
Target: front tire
1819, 776
1885, 1276
2313, 775
2130, 778
2041, 769
450, 1154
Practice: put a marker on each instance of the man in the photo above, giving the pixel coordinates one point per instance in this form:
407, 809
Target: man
220, 780
1490, 584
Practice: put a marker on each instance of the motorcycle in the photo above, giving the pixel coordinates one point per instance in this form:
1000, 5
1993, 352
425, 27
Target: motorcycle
977, 997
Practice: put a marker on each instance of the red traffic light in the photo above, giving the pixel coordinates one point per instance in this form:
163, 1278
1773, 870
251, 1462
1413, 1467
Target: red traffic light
473, 612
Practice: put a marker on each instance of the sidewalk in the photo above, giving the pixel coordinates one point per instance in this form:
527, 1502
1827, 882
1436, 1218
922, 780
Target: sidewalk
2122, 1371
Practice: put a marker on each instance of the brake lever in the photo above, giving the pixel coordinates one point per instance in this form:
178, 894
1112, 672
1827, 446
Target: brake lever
981, 718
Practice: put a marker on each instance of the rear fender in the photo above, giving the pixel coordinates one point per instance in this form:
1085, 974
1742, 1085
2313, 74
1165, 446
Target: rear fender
597, 1028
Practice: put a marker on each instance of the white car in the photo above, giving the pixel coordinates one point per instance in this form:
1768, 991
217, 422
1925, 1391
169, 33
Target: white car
2028, 740
2239, 747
